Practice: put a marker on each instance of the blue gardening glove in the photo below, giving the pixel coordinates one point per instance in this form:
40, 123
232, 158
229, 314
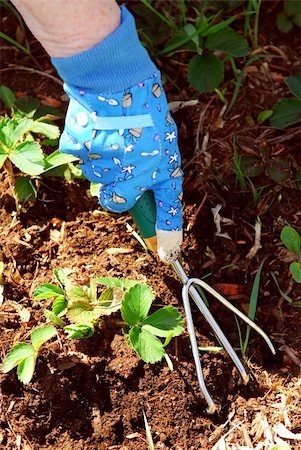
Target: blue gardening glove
118, 124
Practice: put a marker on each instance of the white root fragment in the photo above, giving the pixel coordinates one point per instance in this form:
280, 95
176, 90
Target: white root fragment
257, 244
218, 220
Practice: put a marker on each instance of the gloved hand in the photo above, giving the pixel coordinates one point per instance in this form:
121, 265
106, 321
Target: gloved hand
119, 126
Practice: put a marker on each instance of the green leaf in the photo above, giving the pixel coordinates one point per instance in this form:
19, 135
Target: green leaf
28, 157
297, 19
46, 129
41, 335
251, 166
295, 270
53, 318
59, 305
148, 347
283, 23
14, 130
163, 322
294, 84
107, 303
26, 369
121, 283
47, 113
57, 159
76, 294
79, 331
61, 277
136, 304
82, 312
24, 189
7, 96
291, 7
26, 107
283, 294
279, 169
94, 189
47, 290
264, 115
19, 352
291, 239
228, 41
191, 31
106, 297
205, 72
286, 112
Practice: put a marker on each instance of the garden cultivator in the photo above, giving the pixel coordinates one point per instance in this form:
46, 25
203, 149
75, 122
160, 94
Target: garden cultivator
144, 215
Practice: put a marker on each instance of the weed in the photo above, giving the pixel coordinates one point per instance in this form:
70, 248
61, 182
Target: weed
251, 30
80, 310
276, 168
202, 35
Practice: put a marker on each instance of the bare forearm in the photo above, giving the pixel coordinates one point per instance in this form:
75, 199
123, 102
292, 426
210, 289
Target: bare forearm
68, 27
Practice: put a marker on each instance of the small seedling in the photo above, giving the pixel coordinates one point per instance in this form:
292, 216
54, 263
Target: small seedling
144, 330
79, 310
24, 356
84, 308
292, 241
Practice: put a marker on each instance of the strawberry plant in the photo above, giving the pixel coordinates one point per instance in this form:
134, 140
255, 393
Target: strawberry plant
79, 310
24, 131
24, 355
143, 329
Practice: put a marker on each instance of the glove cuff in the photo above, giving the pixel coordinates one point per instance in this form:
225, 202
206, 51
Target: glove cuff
116, 63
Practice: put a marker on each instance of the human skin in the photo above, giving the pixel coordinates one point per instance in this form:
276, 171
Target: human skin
68, 27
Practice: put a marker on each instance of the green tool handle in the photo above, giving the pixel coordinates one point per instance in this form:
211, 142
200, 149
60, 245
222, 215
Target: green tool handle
144, 216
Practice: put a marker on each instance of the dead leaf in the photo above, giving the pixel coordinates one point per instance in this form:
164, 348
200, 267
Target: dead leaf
24, 313
228, 288
49, 101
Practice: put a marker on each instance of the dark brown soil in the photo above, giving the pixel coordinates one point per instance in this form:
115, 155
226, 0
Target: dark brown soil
91, 394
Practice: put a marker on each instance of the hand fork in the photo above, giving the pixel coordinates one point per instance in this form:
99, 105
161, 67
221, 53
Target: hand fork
144, 215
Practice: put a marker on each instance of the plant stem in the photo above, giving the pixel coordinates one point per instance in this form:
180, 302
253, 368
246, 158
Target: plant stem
8, 167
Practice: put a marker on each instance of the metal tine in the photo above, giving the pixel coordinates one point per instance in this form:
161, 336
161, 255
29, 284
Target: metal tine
184, 278
195, 352
236, 311
188, 289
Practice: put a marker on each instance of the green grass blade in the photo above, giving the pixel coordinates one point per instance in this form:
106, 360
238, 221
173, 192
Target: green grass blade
14, 42
283, 294
253, 304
